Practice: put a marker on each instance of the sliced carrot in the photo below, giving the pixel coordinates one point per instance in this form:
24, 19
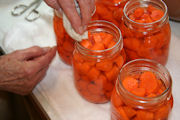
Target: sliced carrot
139, 12
107, 38
148, 81
108, 86
93, 89
152, 95
145, 115
86, 44
130, 112
157, 14
150, 42
116, 99
82, 68
97, 37
139, 92
150, 8
132, 43
119, 61
93, 73
111, 44
163, 112
130, 83
78, 58
112, 74
98, 46
82, 85
68, 46
101, 81
104, 65
122, 113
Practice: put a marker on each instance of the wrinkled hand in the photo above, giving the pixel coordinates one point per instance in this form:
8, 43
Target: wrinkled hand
78, 23
21, 70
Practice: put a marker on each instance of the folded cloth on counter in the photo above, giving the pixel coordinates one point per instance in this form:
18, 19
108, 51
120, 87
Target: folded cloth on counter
56, 92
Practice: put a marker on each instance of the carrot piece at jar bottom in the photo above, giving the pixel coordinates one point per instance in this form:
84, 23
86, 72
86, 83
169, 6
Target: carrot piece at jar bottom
139, 92
162, 113
122, 114
119, 61
82, 85
130, 83
149, 82
130, 112
116, 100
144, 115
94, 89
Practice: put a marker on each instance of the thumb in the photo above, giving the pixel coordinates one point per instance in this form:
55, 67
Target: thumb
31, 53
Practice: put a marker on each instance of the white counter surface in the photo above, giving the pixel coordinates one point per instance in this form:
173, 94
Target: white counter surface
56, 93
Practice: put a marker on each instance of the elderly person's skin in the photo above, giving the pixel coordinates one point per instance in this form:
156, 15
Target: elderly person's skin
68, 6
21, 70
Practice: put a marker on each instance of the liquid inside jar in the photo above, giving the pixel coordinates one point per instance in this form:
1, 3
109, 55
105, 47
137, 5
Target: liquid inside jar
141, 95
96, 63
146, 31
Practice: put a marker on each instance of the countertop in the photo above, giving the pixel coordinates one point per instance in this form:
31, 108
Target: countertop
57, 94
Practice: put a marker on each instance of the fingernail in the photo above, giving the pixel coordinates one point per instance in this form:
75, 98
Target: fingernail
46, 49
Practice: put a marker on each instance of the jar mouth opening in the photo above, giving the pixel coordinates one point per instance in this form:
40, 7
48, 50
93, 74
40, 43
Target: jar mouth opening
99, 23
129, 3
144, 99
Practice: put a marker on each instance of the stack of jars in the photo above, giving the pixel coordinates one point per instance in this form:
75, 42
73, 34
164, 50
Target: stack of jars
121, 31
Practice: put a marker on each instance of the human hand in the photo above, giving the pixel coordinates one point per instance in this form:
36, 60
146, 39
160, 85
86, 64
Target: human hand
68, 6
21, 70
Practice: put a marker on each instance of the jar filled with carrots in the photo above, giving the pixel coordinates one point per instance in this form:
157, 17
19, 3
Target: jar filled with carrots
109, 10
97, 61
146, 30
65, 44
142, 92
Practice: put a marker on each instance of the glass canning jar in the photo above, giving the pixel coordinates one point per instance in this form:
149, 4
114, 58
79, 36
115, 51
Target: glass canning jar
125, 105
95, 71
65, 44
109, 10
147, 33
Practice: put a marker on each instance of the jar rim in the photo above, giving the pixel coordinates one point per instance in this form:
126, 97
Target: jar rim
144, 99
150, 1
100, 22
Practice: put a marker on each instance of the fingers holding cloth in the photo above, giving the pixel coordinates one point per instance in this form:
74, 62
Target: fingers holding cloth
76, 15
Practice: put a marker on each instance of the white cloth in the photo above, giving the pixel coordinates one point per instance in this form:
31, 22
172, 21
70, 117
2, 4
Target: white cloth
56, 92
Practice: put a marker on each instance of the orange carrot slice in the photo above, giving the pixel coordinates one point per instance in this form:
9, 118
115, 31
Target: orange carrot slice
93, 73
145, 115
139, 12
139, 92
157, 14
130, 112
130, 83
86, 44
148, 81
116, 100
122, 113
104, 65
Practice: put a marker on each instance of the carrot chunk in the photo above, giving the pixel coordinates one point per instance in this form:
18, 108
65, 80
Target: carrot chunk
130, 83
138, 12
86, 44
93, 73
104, 65
130, 112
157, 14
148, 81
116, 100
139, 92
145, 115
122, 113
